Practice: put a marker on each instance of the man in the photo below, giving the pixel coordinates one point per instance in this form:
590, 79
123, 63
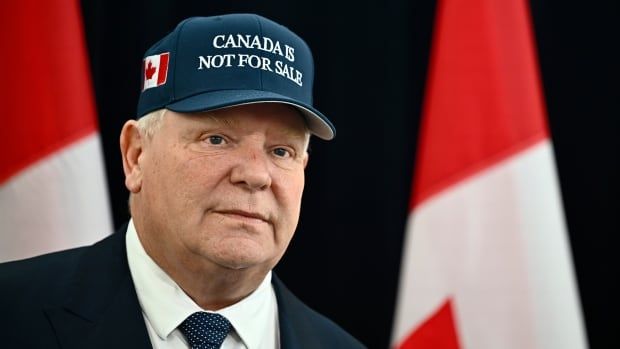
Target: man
215, 169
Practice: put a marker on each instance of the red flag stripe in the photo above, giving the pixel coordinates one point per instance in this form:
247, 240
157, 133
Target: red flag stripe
45, 93
162, 73
483, 101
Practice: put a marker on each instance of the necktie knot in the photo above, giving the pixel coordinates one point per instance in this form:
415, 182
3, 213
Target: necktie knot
205, 330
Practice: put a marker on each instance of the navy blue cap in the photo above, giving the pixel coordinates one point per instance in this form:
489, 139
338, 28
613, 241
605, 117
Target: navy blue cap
209, 63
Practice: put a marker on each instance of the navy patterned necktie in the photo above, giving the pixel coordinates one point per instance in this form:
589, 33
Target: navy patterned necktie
205, 330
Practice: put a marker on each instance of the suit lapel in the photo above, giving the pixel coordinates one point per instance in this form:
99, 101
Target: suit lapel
101, 309
295, 330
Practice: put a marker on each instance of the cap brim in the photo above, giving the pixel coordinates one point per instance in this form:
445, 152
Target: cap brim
317, 123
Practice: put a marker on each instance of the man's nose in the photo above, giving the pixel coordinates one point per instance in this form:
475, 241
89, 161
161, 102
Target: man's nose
252, 170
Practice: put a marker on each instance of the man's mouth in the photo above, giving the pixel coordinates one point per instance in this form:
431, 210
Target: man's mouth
242, 215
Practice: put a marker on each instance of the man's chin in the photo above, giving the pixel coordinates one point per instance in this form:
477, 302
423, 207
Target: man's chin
240, 261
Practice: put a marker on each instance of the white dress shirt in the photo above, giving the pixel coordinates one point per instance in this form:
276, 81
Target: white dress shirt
165, 306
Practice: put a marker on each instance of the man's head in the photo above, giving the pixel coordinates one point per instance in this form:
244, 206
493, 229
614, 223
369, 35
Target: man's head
216, 163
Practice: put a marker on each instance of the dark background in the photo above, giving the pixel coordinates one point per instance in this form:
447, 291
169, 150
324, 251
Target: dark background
371, 59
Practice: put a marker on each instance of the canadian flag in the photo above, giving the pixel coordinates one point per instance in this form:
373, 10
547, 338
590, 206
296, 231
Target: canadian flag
155, 70
53, 193
486, 261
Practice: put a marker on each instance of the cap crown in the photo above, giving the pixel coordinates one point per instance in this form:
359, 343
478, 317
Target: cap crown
207, 63
230, 52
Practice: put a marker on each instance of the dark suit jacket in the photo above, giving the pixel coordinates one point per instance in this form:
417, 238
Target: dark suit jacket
84, 298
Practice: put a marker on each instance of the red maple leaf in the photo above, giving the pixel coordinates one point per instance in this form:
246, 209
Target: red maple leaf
149, 71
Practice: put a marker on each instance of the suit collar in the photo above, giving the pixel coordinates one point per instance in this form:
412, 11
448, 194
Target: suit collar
101, 309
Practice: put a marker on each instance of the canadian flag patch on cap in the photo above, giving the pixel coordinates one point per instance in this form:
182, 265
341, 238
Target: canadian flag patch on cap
155, 70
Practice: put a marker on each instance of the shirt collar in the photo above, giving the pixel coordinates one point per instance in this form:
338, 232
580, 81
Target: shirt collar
166, 305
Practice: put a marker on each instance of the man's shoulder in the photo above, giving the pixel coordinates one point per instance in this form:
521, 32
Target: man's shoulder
305, 322
76, 296
44, 278
38, 278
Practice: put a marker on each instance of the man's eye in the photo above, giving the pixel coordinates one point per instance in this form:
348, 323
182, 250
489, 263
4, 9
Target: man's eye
282, 152
216, 140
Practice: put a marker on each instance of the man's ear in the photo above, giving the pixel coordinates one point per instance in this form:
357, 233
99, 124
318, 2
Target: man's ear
132, 145
306, 158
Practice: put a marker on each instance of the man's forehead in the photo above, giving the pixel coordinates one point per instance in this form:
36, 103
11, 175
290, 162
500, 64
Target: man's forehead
276, 114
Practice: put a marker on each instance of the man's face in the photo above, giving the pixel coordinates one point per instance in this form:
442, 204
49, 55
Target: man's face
223, 188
